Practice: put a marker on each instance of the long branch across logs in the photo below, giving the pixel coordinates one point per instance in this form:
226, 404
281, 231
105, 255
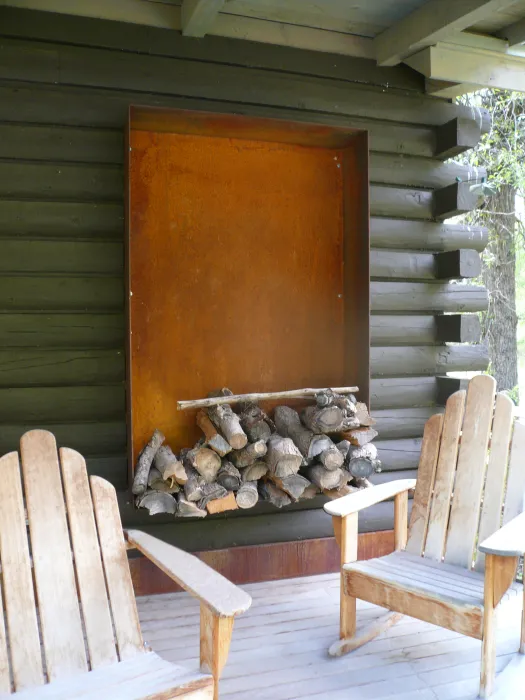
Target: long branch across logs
247, 456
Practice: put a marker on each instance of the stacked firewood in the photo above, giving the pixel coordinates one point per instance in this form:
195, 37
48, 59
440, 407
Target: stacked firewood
247, 456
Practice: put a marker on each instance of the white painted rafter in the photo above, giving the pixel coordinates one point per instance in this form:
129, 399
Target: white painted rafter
198, 16
514, 33
432, 22
473, 66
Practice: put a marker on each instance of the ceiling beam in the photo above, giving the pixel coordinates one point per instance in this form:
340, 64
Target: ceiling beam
514, 34
430, 23
465, 64
198, 16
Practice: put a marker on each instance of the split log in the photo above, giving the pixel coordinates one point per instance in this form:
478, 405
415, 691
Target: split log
144, 462
255, 471
226, 420
205, 461
331, 458
221, 505
343, 490
248, 495
325, 479
157, 502
249, 454
194, 485
229, 476
169, 466
360, 467
213, 437
368, 451
363, 416
255, 423
360, 436
189, 510
217, 399
157, 483
328, 419
343, 447
273, 494
283, 457
294, 485
210, 492
288, 424
310, 492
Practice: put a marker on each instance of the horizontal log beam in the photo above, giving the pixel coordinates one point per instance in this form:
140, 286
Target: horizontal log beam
419, 172
424, 330
455, 137
446, 386
427, 360
424, 235
398, 423
420, 296
454, 200
396, 455
84, 67
458, 328
403, 392
400, 202
454, 264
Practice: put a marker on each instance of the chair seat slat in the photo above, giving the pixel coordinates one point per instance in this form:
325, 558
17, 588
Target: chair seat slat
60, 620
17, 579
87, 559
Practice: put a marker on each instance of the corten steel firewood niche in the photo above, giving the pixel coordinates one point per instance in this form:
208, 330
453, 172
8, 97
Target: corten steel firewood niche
247, 260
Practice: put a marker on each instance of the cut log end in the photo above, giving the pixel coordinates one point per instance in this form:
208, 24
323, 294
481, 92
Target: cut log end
221, 505
156, 502
248, 495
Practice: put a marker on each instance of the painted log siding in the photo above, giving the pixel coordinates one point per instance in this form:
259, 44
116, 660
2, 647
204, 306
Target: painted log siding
65, 87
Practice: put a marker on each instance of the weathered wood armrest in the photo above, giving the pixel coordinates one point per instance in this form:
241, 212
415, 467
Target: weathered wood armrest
355, 502
218, 594
508, 541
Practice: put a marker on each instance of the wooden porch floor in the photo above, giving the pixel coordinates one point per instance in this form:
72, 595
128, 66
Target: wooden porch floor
279, 648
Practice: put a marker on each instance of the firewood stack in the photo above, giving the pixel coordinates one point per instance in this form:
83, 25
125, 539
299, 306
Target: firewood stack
246, 456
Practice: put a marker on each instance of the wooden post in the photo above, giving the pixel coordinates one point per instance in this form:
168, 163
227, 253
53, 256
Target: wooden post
346, 534
400, 520
522, 639
488, 651
215, 637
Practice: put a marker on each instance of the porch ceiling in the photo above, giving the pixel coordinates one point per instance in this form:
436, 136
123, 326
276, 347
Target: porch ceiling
459, 45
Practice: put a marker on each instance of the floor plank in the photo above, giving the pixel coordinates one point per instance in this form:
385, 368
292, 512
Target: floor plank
279, 647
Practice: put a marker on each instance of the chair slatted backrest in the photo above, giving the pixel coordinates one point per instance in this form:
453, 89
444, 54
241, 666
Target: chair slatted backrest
465, 475
68, 604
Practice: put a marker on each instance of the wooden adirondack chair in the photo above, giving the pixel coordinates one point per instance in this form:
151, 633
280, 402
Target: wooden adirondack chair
460, 495
80, 637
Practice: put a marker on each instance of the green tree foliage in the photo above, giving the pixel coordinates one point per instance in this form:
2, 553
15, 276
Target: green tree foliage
502, 153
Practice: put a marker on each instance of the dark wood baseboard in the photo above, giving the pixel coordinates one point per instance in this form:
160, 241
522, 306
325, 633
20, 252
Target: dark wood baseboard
266, 562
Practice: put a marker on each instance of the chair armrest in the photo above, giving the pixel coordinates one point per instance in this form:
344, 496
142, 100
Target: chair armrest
508, 541
221, 596
355, 502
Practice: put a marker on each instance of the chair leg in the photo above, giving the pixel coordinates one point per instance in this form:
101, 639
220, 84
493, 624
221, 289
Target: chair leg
215, 638
488, 650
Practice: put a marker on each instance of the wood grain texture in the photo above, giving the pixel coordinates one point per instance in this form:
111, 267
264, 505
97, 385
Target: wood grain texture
267, 562
118, 577
424, 485
17, 585
444, 479
215, 638
493, 496
88, 563
52, 561
488, 650
471, 470
400, 520
221, 596
515, 496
